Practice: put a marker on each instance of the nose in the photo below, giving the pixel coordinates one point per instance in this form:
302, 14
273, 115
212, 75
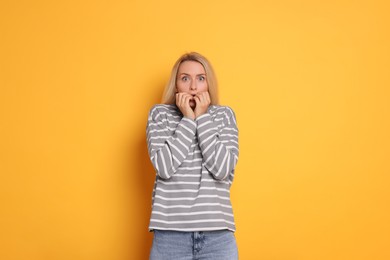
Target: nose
193, 85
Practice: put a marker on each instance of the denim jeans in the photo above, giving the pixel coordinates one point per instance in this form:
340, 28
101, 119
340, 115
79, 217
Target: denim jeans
202, 245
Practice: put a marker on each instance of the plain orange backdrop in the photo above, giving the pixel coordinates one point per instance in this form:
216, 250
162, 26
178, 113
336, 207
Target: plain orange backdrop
308, 80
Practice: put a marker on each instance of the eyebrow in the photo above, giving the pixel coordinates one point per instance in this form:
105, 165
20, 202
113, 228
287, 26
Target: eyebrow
202, 74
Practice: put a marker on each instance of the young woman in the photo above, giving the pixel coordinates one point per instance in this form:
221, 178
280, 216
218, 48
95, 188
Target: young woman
193, 146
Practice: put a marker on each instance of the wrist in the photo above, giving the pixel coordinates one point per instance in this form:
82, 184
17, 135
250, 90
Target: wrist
200, 114
203, 118
192, 117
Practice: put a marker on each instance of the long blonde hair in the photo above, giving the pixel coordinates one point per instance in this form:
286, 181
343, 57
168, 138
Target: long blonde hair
169, 96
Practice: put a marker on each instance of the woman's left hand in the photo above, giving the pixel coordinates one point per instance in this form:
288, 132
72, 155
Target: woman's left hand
203, 101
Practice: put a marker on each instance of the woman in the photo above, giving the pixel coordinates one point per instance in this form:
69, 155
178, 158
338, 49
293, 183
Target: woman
193, 146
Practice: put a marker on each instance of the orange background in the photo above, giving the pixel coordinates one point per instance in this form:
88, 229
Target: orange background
308, 80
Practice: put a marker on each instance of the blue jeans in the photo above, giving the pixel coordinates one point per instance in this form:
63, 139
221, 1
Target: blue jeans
178, 245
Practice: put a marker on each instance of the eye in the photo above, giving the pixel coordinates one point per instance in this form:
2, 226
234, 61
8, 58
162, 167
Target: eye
202, 78
185, 78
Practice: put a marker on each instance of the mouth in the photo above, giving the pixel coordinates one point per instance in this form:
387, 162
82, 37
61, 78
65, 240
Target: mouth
192, 103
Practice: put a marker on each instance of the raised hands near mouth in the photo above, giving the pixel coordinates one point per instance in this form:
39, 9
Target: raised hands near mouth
183, 103
202, 102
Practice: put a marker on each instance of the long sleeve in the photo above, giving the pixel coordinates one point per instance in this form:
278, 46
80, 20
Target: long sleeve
168, 141
219, 143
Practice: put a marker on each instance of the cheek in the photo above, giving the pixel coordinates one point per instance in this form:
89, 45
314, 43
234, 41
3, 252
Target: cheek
181, 87
203, 87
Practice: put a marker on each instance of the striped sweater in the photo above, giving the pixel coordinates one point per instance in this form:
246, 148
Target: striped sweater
194, 162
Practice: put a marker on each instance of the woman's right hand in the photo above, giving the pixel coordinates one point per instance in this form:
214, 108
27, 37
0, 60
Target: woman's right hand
183, 103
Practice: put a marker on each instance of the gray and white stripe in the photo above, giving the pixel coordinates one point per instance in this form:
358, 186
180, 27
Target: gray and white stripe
194, 162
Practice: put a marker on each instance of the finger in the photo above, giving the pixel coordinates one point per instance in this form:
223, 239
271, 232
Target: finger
177, 99
202, 98
190, 97
187, 100
208, 97
181, 100
197, 100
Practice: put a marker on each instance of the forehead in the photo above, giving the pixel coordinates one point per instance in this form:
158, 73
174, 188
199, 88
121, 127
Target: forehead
191, 67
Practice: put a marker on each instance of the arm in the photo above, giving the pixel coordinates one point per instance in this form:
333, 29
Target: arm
219, 148
167, 149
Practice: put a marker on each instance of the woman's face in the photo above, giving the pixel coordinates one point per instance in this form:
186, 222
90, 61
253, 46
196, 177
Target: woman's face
191, 79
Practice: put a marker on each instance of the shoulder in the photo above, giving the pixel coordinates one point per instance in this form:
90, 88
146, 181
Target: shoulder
162, 109
217, 110
223, 114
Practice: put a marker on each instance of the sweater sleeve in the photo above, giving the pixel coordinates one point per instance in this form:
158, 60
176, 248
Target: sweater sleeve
218, 142
167, 149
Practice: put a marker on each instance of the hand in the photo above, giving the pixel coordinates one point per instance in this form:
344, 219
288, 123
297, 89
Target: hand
203, 101
183, 103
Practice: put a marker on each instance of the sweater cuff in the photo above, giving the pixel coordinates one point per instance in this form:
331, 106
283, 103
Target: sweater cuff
203, 118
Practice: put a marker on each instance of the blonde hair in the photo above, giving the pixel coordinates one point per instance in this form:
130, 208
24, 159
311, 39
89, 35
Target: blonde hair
169, 95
